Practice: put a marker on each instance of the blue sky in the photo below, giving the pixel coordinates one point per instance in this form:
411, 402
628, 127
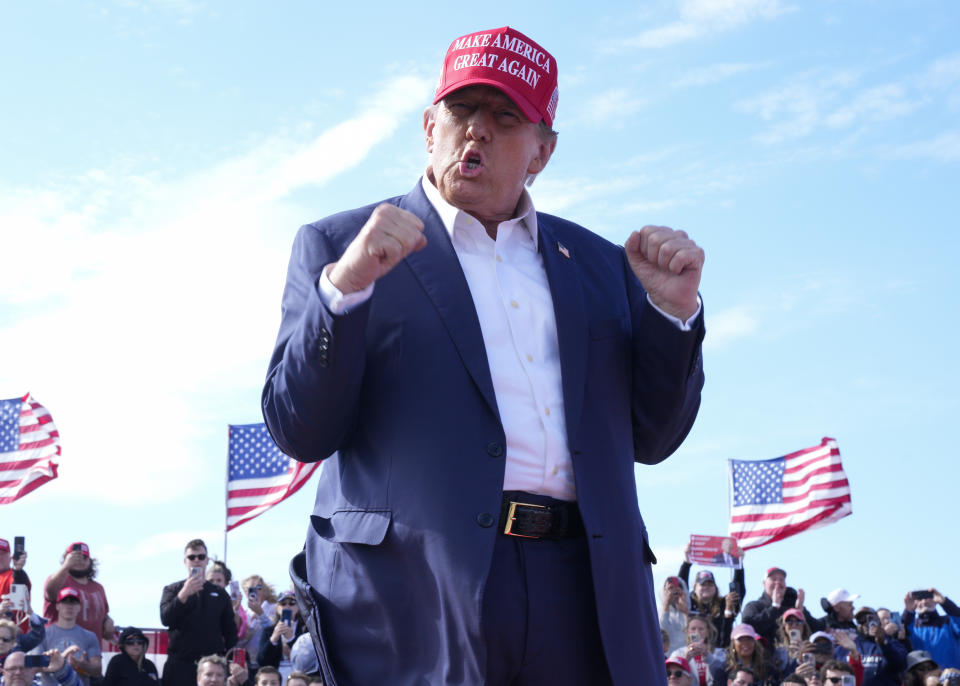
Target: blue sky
157, 157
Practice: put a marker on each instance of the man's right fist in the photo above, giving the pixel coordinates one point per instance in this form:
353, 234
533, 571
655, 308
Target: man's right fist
389, 235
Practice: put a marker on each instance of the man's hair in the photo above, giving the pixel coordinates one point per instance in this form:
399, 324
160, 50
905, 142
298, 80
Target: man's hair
298, 675
7, 624
734, 672
794, 678
195, 543
834, 666
265, 670
220, 566
218, 660
315, 679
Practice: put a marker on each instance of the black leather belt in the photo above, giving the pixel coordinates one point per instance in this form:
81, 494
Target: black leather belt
551, 519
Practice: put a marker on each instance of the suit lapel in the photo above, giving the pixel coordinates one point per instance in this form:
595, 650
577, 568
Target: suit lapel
571, 315
438, 270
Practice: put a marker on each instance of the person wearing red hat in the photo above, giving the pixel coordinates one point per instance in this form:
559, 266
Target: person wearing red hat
79, 570
12, 572
480, 378
678, 672
66, 632
764, 613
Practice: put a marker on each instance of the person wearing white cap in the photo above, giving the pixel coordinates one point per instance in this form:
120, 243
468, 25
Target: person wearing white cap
839, 608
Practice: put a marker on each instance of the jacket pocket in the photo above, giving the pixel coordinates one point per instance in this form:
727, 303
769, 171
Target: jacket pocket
367, 527
308, 600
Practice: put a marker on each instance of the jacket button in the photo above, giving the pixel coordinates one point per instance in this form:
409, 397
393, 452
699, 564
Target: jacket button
495, 449
485, 519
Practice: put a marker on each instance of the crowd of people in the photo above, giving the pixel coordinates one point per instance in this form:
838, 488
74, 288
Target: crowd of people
222, 631
229, 632
714, 640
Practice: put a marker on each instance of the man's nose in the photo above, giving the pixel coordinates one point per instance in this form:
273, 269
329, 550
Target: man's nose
478, 126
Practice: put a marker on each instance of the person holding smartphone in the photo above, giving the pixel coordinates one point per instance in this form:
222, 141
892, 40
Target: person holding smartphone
78, 569
20, 669
276, 643
257, 599
199, 616
938, 634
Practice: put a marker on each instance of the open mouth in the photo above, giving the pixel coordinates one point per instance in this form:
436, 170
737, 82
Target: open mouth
471, 164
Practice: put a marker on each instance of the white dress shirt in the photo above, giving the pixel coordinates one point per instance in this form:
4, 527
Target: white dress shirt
512, 298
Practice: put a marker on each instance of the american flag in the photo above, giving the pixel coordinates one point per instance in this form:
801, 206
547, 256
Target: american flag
28, 443
773, 499
259, 475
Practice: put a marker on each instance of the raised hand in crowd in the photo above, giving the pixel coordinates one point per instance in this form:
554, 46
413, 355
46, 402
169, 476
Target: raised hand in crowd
801, 597
191, 586
845, 640
909, 602
281, 630
58, 659
238, 674
732, 602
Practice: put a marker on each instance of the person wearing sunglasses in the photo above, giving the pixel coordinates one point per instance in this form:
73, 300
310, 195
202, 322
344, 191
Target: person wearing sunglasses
199, 616
276, 643
260, 598
883, 656
678, 672
131, 666
792, 633
837, 673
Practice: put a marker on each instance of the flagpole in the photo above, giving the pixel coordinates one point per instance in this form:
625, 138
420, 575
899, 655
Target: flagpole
226, 497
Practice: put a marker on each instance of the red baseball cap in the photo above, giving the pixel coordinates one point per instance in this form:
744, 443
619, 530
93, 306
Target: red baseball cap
4, 545
84, 548
68, 592
508, 60
774, 570
679, 662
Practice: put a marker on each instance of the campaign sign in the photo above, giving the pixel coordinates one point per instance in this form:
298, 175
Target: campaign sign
715, 551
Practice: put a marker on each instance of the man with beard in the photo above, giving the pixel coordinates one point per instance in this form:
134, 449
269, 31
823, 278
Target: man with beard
78, 570
883, 657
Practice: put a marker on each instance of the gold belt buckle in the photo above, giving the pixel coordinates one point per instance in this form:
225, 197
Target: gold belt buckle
511, 518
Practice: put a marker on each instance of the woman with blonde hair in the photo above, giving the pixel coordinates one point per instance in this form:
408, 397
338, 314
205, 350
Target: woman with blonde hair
261, 599
674, 610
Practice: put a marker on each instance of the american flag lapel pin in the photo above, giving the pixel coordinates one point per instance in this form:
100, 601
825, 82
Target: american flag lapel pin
563, 250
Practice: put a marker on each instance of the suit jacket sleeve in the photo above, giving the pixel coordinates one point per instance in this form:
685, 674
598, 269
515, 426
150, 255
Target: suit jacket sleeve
667, 377
318, 362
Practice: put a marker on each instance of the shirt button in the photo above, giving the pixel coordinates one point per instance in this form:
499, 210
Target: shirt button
495, 449
485, 519
529, 358
555, 470
514, 304
547, 411
499, 259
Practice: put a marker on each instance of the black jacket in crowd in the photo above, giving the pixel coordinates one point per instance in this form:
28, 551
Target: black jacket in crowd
123, 671
763, 616
202, 626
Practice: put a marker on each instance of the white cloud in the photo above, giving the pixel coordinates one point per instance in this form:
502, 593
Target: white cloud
133, 299
703, 17
730, 325
943, 148
611, 108
714, 73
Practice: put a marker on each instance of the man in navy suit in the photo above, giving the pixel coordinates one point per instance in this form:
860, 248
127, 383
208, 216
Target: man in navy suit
480, 379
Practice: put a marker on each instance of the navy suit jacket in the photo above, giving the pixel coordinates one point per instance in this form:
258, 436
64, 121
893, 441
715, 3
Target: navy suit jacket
397, 396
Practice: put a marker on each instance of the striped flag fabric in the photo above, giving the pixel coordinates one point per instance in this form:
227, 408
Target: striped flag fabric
771, 500
258, 475
29, 442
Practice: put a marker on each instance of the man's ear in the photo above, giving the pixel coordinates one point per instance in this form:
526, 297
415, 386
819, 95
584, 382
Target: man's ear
428, 123
544, 152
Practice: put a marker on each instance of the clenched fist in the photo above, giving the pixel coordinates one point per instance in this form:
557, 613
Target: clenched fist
668, 264
389, 235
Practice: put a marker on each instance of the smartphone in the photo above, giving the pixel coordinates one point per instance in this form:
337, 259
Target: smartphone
194, 571
694, 637
18, 596
795, 635
286, 616
252, 593
240, 657
19, 546
920, 595
810, 659
234, 589
895, 618
848, 680
41, 661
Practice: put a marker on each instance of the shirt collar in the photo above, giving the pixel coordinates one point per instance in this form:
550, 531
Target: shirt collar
526, 213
